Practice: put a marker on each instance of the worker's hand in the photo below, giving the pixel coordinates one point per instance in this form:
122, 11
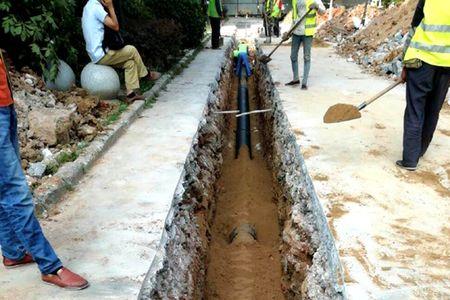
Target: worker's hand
107, 3
285, 37
403, 76
314, 6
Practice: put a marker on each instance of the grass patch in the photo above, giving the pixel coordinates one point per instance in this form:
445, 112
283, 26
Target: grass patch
65, 157
146, 85
150, 102
62, 158
113, 117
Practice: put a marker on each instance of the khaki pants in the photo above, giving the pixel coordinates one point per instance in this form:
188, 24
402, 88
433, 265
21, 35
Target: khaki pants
127, 58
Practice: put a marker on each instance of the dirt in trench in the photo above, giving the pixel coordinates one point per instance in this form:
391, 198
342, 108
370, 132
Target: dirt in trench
245, 269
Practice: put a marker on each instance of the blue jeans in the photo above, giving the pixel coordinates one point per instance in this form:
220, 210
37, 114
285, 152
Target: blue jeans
20, 231
243, 60
297, 41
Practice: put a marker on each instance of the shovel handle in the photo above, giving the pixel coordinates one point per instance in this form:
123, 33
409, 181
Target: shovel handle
377, 96
290, 32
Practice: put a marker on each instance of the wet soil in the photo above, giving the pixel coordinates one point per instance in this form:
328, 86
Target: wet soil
245, 268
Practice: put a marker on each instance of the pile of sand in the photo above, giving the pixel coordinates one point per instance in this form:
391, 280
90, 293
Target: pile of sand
340, 113
342, 25
384, 26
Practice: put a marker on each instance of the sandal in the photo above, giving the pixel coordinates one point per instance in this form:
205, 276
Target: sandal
134, 97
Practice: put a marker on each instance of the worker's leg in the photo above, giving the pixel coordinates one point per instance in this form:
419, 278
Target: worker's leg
276, 27
266, 26
307, 46
12, 248
17, 208
215, 28
129, 59
296, 42
418, 88
433, 106
239, 65
245, 61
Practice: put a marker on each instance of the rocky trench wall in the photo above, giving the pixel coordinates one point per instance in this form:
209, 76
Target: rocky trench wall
310, 260
179, 267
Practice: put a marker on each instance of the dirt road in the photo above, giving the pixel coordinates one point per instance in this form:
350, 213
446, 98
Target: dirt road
391, 226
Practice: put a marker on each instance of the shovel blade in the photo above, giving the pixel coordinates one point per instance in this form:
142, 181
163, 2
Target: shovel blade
341, 113
264, 59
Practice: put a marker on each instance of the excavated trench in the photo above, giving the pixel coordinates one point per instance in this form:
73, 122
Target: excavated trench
245, 224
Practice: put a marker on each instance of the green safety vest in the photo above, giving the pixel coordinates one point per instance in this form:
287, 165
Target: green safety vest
311, 18
268, 6
431, 41
212, 9
276, 11
242, 48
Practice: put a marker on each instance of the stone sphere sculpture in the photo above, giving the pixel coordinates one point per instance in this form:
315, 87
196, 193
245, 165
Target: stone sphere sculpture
64, 80
101, 81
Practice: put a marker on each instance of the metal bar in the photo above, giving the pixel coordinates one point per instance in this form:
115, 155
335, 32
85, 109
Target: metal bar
254, 112
227, 112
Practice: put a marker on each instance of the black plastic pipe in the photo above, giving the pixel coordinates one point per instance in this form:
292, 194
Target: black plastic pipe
243, 136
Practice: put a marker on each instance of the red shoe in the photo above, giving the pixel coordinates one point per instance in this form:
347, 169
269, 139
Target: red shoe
66, 280
11, 264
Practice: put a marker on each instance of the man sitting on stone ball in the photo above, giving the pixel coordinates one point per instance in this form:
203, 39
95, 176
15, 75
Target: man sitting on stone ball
96, 15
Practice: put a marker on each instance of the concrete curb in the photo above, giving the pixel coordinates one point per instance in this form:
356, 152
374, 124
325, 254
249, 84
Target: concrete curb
172, 233
51, 190
325, 277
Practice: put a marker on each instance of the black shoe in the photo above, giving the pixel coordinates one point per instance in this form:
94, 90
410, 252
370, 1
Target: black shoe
293, 82
403, 166
304, 87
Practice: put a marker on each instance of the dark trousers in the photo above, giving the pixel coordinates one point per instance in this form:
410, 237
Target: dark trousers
276, 27
267, 26
426, 89
215, 27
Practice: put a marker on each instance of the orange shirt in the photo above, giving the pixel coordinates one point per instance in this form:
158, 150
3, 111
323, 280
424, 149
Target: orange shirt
5, 93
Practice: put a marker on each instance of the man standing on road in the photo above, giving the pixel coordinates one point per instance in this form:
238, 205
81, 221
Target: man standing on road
303, 35
21, 238
96, 15
215, 15
427, 74
276, 15
267, 4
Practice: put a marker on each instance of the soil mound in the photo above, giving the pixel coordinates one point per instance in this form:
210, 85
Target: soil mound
340, 113
379, 45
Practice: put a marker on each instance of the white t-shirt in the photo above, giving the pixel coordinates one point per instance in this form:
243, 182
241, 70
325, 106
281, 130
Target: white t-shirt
94, 29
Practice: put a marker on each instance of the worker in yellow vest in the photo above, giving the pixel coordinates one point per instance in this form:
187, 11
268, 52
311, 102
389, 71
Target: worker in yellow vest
427, 74
276, 16
215, 14
268, 4
303, 35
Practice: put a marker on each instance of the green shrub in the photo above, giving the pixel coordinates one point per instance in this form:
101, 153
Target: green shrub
36, 32
158, 41
386, 3
189, 14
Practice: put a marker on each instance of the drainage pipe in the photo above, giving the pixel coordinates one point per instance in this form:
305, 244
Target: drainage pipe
243, 136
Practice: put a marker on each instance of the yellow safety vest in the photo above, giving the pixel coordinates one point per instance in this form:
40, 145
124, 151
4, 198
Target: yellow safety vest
311, 18
276, 11
268, 6
431, 42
